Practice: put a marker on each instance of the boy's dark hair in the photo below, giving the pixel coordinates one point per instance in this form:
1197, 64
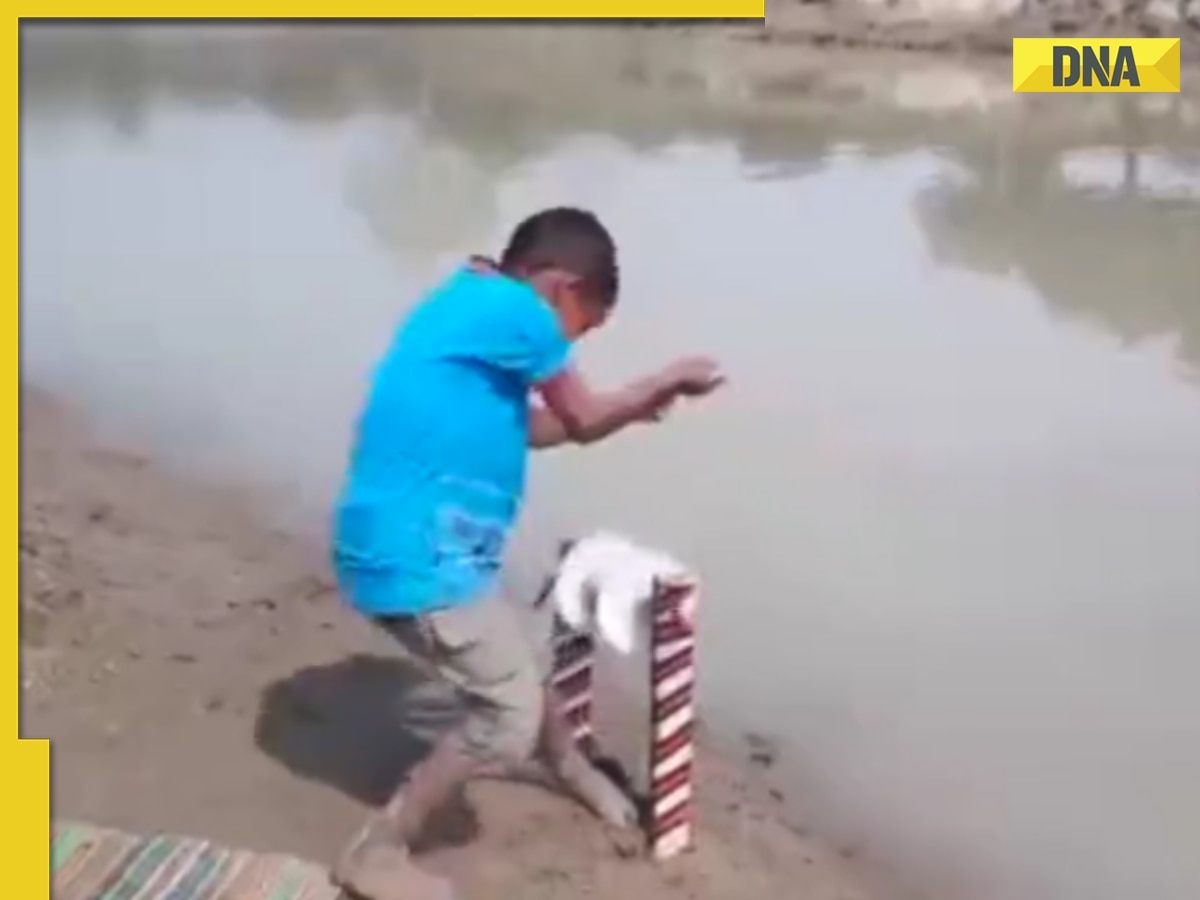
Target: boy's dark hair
567, 238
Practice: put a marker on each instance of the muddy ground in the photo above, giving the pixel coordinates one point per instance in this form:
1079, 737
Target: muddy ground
980, 27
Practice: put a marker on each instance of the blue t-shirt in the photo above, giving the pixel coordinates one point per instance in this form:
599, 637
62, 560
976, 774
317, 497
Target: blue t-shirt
437, 471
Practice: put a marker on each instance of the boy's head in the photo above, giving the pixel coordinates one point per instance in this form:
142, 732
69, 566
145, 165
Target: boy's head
571, 260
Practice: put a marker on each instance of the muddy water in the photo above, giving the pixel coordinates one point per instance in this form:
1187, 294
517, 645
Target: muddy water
948, 510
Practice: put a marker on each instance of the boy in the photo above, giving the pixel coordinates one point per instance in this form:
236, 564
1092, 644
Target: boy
478, 373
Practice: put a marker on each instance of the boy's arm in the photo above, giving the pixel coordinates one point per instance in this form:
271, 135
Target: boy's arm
545, 428
574, 413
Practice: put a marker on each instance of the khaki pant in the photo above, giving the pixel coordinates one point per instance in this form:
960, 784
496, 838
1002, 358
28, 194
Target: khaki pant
482, 651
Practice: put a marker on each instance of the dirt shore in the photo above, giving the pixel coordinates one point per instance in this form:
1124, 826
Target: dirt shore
196, 673
979, 27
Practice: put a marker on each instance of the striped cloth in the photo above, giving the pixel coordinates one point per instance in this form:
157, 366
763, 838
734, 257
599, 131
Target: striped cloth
90, 863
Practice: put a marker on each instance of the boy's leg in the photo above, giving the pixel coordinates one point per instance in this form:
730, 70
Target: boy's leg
481, 650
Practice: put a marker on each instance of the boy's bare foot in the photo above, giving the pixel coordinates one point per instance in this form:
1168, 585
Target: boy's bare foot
376, 867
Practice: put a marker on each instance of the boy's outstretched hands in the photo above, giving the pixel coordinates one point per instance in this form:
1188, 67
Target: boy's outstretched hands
694, 376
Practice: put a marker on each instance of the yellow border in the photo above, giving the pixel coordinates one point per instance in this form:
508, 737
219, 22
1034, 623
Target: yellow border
26, 764
455, 9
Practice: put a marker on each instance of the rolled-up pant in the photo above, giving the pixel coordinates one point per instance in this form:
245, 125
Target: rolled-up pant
481, 649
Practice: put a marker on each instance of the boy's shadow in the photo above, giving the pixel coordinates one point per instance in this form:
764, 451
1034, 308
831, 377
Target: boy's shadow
359, 725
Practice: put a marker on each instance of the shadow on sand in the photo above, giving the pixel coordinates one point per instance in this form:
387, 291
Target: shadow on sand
359, 725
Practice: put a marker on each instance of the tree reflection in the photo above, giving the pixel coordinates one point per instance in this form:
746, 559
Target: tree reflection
486, 101
111, 77
513, 91
1121, 254
422, 196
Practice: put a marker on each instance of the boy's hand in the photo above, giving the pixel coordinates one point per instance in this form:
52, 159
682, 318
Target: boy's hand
583, 417
694, 376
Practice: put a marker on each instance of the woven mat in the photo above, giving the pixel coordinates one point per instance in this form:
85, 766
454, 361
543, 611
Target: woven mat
90, 863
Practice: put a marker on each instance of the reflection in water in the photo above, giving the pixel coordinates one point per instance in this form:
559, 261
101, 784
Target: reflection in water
423, 196
1120, 250
949, 538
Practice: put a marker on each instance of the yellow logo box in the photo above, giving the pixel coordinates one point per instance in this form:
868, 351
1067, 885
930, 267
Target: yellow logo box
1096, 65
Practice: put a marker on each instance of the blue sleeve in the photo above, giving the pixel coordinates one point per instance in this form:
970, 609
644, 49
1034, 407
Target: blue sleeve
524, 336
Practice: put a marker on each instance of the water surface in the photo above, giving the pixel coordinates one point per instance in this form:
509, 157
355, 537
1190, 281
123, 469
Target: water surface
948, 511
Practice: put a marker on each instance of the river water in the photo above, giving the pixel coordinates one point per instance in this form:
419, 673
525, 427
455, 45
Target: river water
948, 510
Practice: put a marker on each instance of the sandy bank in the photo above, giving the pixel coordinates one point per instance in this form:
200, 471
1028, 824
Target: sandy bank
978, 27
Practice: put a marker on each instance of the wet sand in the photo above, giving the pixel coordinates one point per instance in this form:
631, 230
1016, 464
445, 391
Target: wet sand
195, 672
